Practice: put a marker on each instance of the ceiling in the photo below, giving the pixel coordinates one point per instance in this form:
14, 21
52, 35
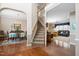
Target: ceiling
12, 14
60, 13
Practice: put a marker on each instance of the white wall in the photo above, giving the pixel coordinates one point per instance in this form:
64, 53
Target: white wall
77, 29
34, 20
34, 14
9, 18
29, 20
57, 17
25, 7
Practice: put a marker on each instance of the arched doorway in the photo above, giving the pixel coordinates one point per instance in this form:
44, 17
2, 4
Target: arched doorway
13, 29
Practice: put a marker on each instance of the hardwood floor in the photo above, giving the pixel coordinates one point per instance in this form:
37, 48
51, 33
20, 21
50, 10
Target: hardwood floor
54, 50
20, 49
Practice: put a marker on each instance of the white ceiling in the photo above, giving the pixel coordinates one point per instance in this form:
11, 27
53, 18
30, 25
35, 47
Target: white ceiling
60, 13
12, 14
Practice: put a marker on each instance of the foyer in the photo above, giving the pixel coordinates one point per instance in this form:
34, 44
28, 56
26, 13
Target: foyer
38, 29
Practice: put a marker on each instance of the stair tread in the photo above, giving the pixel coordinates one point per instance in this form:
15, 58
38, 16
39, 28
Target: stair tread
40, 32
38, 42
40, 29
39, 35
38, 39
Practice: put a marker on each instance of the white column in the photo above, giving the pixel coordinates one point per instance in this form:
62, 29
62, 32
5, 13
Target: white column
31, 21
72, 27
29, 25
77, 29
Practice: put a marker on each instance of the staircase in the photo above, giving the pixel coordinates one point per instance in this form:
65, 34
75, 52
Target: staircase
39, 38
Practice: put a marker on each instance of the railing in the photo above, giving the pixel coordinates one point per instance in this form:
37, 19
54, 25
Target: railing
41, 19
34, 30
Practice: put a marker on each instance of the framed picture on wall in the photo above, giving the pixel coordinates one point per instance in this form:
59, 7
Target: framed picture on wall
17, 26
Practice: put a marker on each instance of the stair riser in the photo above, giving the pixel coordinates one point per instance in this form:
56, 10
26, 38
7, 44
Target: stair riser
40, 34
41, 30
38, 42
39, 37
